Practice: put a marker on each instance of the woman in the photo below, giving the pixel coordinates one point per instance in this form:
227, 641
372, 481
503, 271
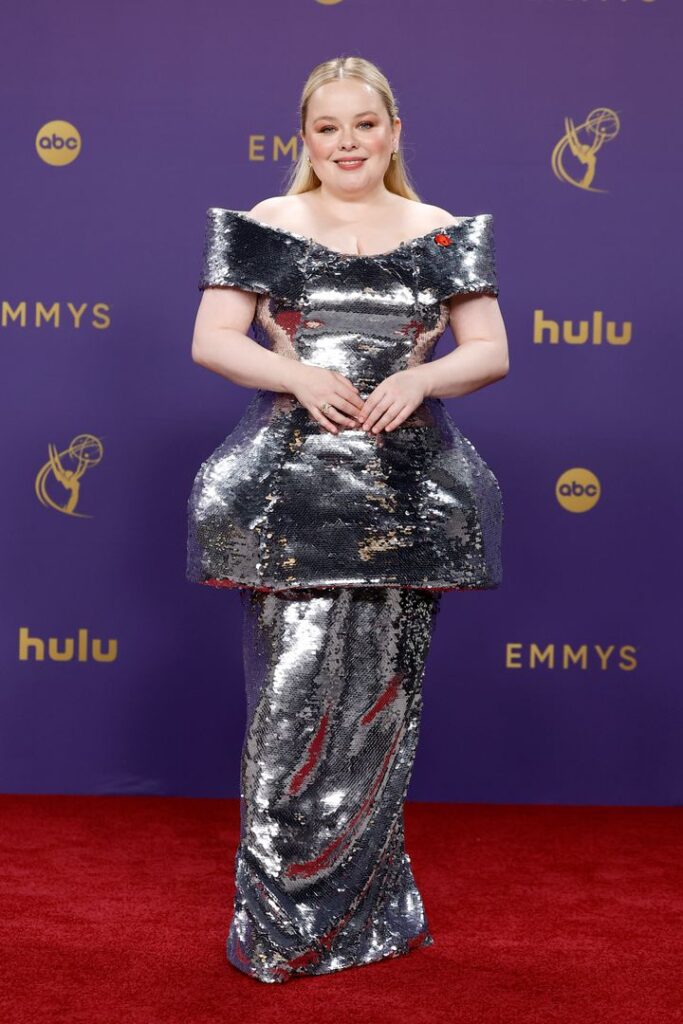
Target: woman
343, 504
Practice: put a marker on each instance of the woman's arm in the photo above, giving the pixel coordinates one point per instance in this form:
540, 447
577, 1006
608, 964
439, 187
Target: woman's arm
481, 354
220, 342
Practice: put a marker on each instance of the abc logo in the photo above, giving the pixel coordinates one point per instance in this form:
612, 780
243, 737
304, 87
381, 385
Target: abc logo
58, 143
577, 490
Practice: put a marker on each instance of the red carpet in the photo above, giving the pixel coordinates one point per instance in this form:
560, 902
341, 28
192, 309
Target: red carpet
115, 910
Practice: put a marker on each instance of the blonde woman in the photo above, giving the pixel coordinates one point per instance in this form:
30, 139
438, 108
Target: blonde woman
342, 505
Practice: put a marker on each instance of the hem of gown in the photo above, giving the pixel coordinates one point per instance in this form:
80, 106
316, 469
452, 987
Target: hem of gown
319, 585
422, 940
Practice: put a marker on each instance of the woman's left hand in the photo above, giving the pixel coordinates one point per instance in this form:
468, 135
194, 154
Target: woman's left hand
392, 401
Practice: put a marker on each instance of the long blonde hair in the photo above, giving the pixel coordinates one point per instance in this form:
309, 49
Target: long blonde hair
302, 177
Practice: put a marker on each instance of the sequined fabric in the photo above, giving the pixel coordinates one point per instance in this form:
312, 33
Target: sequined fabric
283, 503
334, 701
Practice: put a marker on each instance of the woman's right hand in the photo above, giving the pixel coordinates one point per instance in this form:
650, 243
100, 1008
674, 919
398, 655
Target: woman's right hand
313, 386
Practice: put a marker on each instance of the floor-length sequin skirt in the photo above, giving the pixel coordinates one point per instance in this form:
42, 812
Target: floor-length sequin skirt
334, 700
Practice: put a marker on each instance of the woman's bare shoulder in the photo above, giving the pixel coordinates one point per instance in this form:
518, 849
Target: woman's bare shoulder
275, 210
418, 218
435, 216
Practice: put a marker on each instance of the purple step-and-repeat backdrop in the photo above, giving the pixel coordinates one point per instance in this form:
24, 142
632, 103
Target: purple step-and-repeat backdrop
121, 125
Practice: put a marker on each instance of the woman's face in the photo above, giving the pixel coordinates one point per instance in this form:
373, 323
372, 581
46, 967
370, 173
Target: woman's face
349, 135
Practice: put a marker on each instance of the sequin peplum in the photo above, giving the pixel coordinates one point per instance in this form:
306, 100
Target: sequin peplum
282, 503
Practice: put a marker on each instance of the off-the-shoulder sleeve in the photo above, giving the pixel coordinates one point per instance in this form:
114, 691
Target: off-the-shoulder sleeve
462, 260
240, 252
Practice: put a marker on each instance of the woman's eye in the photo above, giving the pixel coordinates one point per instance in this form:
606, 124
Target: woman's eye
323, 131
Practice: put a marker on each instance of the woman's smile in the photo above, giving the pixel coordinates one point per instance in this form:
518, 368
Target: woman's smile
350, 163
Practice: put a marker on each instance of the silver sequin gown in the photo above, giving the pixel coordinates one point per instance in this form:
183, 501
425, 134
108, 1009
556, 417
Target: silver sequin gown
341, 546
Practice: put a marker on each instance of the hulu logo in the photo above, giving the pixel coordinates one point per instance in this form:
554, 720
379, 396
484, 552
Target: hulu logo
595, 331
81, 648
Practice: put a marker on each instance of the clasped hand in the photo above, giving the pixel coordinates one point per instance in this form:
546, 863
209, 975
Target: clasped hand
334, 401
392, 402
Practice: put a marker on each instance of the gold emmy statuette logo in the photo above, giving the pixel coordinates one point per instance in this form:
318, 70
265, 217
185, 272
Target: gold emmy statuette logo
602, 125
58, 143
577, 490
67, 467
